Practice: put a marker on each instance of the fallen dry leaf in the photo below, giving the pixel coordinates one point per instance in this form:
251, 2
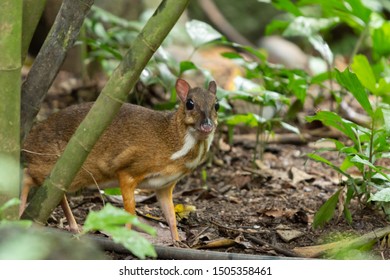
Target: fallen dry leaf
298, 175
183, 211
218, 243
288, 235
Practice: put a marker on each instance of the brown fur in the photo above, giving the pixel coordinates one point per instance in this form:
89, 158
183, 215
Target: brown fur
135, 148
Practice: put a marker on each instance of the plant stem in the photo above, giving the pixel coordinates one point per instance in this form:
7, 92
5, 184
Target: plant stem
359, 42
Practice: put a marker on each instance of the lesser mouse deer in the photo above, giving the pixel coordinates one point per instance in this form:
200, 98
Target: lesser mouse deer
141, 148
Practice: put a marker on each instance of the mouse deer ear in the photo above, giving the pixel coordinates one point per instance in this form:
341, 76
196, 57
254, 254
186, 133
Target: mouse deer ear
212, 87
182, 89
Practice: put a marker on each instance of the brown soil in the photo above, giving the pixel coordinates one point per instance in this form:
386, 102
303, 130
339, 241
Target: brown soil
261, 208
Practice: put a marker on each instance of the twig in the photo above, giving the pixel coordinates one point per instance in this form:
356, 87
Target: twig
216, 17
180, 253
278, 249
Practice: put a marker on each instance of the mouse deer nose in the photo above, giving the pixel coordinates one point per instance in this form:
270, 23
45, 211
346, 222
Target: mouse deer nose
206, 125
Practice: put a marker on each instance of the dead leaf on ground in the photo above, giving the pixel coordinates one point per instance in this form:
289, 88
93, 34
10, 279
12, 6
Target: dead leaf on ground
183, 211
217, 243
288, 234
278, 213
298, 176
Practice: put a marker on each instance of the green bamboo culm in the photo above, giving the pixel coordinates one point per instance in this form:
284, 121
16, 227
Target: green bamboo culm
32, 12
10, 69
104, 110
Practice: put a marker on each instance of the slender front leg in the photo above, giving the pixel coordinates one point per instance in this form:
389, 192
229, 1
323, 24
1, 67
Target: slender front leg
127, 185
164, 196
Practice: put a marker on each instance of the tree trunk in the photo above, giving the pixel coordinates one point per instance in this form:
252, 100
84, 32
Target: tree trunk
104, 110
10, 69
61, 38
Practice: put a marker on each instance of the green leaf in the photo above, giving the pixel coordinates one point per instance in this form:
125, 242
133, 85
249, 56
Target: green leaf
187, 65
276, 26
289, 127
382, 195
381, 40
10, 203
232, 55
308, 26
386, 118
351, 82
132, 241
326, 211
286, 5
322, 47
111, 216
358, 159
18, 223
201, 33
327, 162
251, 120
334, 120
364, 72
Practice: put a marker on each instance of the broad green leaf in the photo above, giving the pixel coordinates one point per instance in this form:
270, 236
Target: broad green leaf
308, 26
347, 163
285, 5
322, 47
383, 87
289, 127
111, 216
187, 65
100, 31
112, 191
381, 40
327, 162
326, 211
364, 72
201, 33
132, 241
249, 119
351, 82
352, 12
276, 26
358, 159
386, 118
334, 120
382, 195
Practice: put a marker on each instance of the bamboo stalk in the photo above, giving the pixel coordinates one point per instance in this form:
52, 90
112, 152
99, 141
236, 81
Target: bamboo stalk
10, 68
32, 12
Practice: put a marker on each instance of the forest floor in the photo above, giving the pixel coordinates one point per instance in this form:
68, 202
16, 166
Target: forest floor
263, 207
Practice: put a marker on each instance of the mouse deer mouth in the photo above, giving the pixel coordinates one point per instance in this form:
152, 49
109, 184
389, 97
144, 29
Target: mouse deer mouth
206, 127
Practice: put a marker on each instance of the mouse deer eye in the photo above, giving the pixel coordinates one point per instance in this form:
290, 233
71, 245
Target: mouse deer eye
190, 104
216, 106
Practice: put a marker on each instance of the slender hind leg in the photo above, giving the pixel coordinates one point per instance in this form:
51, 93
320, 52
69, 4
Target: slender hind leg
127, 185
28, 182
73, 226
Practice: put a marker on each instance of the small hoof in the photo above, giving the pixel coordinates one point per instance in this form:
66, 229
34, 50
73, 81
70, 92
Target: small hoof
180, 244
